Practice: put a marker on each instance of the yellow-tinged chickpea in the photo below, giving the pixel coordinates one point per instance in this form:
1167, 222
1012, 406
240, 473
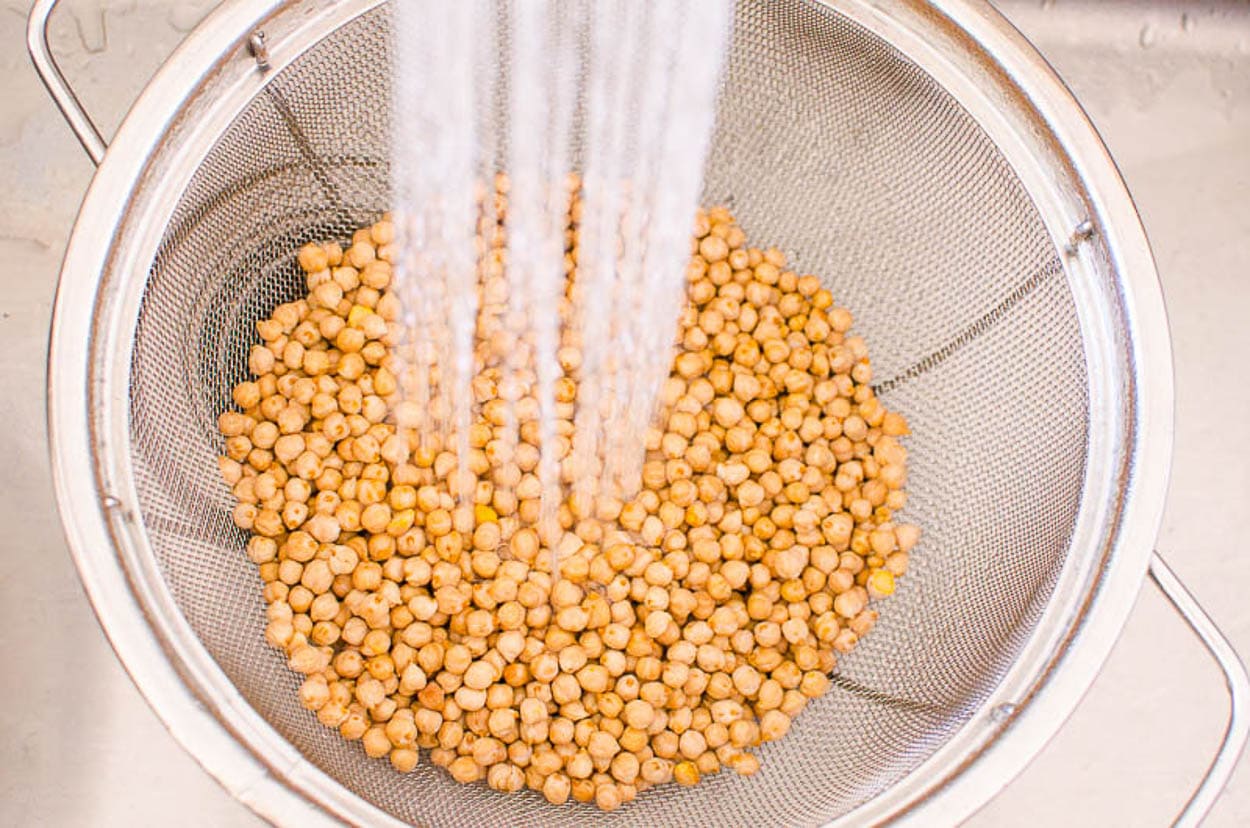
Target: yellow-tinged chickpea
880, 583
686, 773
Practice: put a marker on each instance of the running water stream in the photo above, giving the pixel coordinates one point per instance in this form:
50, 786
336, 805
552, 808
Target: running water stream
510, 117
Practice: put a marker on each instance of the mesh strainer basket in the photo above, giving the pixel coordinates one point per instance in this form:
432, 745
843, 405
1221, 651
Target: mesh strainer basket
920, 157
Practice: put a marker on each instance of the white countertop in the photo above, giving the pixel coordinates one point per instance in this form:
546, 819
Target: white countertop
1169, 87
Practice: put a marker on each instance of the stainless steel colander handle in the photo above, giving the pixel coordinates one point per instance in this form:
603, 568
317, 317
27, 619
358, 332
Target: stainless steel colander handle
1235, 677
60, 90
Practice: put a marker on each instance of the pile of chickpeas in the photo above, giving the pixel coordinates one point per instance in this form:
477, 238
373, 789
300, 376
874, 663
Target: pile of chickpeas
685, 625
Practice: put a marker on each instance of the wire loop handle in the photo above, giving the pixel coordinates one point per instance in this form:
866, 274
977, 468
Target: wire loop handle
1235, 679
62, 93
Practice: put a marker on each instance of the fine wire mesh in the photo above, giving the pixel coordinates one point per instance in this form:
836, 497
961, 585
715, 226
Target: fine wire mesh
830, 146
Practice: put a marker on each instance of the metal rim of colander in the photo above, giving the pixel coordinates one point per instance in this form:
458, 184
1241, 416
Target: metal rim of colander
966, 46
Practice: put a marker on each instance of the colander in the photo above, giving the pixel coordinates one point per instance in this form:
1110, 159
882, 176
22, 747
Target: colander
920, 157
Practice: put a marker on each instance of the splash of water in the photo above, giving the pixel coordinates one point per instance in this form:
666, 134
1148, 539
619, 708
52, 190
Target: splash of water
436, 162
510, 117
649, 126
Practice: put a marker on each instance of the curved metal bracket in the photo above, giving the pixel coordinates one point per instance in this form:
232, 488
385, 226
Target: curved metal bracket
60, 90
1235, 678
